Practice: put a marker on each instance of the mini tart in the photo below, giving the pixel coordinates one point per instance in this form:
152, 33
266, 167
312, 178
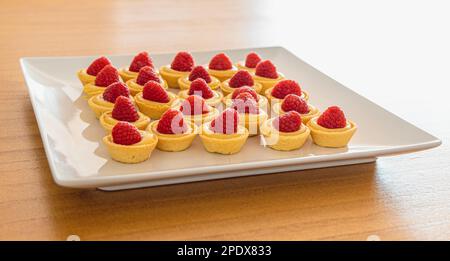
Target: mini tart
313, 112
108, 122
198, 119
100, 105
284, 141
174, 142
262, 101
241, 66
222, 75
134, 153
213, 101
184, 83
90, 89
136, 88
171, 76
227, 89
267, 83
273, 100
153, 109
127, 75
84, 77
223, 143
333, 138
252, 122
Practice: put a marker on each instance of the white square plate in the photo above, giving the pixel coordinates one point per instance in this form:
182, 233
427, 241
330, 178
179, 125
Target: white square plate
72, 136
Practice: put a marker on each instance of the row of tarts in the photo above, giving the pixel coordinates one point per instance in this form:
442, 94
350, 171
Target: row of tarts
222, 102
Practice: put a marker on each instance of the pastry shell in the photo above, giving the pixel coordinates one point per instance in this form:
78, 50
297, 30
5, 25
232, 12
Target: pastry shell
184, 83
134, 153
332, 138
252, 122
213, 101
223, 143
127, 75
174, 142
171, 76
241, 66
313, 112
153, 109
84, 77
267, 83
98, 105
222, 75
284, 141
108, 122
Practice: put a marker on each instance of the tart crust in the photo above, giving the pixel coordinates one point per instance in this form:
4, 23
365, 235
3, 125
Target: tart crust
136, 88
98, 105
171, 76
222, 75
126, 74
108, 122
134, 153
223, 143
153, 109
252, 122
333, 138
284, 141
90, 89
267, 83
273, 100
227, 89
241, 66
184, 83
174, 142
214, 101
84, 77
313, 112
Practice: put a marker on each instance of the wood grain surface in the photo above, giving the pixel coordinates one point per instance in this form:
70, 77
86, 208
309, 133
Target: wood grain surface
396, 198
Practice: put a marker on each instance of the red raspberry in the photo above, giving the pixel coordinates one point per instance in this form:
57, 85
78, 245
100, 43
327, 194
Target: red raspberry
332, 118
124, 110
194, 105
182, 62
124, 133
199, 87
147, 73
241, 78
199, 72
139, 61
245, 103
288, 122
252, 60
226, 123
285, 87
97, 65
266, 69
153, 91
106, 76
115, 90
247, 89
294, 102
220, 62
171, 122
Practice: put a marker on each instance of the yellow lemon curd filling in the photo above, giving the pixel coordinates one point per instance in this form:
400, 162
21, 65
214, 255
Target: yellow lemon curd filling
313, 112
213, 101
135, 88
108, 122
134, 153
184, 83
174, 142
267, 83
153, 109
222, 75
227, 89
171, 75
84, 77
100, 105
284, 141
333, 138
223, 143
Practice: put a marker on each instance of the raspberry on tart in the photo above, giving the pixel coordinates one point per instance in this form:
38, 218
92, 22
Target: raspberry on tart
332, 129
104, 78
224, 134
288, 122
284, 88
115, 90
154, 100
267, 75
201, 88
251, 60
89, 74
199, 72
123, 110
194, 105
240, 79
221, 67
293, 102
246, 89
250, 115
146, 74
245, 103
128, 144
174, 133
141, 60
181, 66
261, 100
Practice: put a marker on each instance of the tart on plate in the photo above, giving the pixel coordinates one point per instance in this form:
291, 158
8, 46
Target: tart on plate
131, 72
88, 75
123, 110
198, 72
266, 74
195, 110
200, 87
221, 67
250, 63
105, 77
285, 132
284, 88
250, 115
145, 75
103, 102
181, 66
154, 100
331, 128
240, 79
224, 135
293, 102
127, 144
174, 134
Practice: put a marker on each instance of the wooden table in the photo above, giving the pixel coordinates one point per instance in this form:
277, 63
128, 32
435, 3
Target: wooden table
402, 197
